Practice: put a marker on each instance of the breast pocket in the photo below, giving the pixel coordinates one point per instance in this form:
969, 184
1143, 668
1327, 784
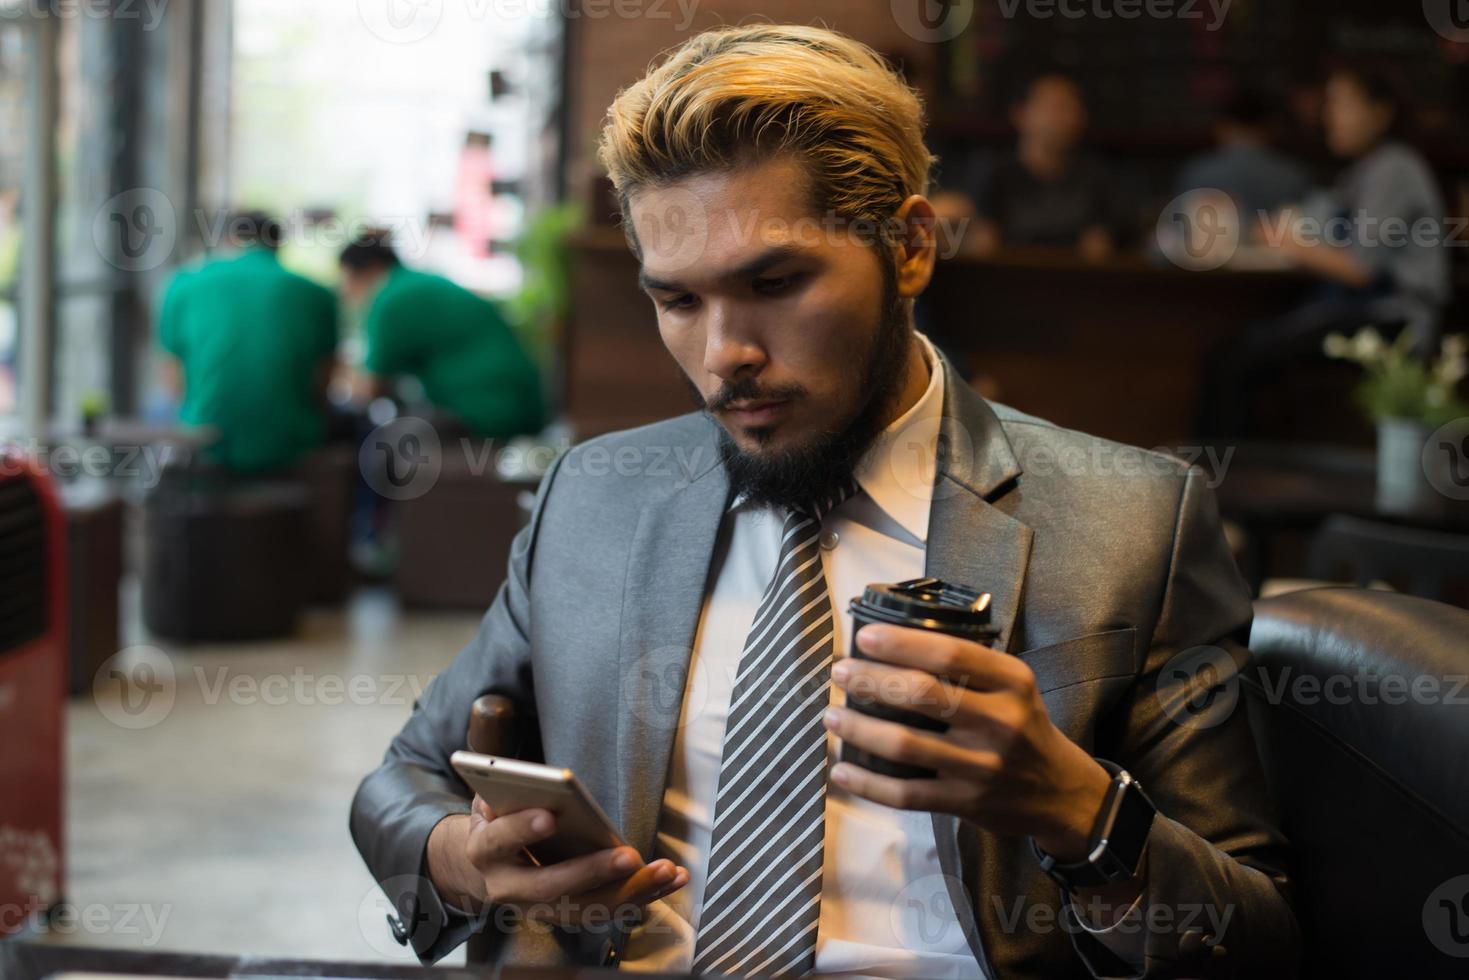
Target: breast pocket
1079, 678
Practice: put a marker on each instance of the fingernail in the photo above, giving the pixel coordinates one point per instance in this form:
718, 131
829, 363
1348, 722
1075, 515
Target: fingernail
839, 774
666, 873
625, 861
541, 824
870, 638
832, 718
839, 671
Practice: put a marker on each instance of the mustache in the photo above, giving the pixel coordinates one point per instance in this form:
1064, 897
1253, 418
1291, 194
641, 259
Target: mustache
749, 390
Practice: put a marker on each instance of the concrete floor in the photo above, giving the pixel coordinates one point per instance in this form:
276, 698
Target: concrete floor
218, 823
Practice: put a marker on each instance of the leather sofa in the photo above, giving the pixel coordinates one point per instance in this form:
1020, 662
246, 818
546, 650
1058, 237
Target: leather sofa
1360, 708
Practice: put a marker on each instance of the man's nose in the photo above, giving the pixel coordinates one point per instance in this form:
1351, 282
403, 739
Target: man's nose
731, 343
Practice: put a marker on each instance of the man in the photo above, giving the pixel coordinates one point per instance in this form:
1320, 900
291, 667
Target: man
1245, 164
250, 346
457, 344
1047, 192
673, 615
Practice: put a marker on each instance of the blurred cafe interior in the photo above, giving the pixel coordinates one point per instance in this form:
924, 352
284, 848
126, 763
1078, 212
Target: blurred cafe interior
329, 336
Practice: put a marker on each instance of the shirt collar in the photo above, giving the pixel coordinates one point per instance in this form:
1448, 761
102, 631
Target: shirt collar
899, 468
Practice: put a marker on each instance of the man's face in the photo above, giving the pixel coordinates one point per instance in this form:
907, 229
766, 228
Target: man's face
1353, 122
771, 313
1052, 113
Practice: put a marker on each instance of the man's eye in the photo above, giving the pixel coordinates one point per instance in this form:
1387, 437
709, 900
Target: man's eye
773, 284
682, 302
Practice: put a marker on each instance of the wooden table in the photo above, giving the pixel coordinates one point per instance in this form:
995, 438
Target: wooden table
1117, 348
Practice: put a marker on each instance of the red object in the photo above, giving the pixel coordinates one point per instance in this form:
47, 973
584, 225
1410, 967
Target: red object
32, 691
474, 204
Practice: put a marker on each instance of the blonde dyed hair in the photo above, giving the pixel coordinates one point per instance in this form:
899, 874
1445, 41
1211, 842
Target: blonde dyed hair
738, 95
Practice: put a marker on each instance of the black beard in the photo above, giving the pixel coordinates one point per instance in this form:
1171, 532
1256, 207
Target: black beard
797, 476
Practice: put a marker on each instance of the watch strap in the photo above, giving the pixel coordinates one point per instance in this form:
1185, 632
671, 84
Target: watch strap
1116, 845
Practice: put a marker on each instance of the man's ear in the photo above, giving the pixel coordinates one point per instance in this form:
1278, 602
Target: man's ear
917, 251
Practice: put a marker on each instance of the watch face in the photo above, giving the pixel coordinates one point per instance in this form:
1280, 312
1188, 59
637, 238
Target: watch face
1117, 842
1128, 835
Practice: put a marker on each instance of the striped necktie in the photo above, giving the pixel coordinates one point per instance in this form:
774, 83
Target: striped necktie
762, 897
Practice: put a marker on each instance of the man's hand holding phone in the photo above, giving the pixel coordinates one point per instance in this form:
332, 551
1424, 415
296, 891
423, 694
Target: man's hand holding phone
480, 859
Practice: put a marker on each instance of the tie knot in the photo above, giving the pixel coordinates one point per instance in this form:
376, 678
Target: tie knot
825, 504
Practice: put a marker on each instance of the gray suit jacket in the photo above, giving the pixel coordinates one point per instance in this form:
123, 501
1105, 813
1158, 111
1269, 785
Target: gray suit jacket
1107, 566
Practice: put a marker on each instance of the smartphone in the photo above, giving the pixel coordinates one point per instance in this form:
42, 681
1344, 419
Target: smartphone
510, 785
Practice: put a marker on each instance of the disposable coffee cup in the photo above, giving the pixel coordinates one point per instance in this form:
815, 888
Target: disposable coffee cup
921, 603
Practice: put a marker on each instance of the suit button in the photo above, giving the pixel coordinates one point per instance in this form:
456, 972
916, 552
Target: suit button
829, 540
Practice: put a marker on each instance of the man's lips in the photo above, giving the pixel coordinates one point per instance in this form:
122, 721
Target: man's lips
756, 413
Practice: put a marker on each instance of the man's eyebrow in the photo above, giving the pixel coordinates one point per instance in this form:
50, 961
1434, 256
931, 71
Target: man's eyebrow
773, 255
647, 282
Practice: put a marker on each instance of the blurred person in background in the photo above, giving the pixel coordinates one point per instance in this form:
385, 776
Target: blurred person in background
1048, 192
1391, 264
1245, 163
1375, 240
250, 348
458, 345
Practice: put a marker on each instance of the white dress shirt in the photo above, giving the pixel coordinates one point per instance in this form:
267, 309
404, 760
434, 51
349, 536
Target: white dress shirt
885, 910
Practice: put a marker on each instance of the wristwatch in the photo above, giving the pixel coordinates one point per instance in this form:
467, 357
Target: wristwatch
1116, 845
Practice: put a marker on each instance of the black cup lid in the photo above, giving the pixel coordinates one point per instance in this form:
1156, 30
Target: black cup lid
932, 599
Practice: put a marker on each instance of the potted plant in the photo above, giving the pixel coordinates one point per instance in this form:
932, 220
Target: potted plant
1408, 396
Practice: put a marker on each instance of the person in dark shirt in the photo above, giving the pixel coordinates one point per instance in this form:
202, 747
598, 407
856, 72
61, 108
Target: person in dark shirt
1245, 164
1048, 192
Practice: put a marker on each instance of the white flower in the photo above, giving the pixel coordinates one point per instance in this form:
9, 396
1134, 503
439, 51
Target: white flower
1453, 363
1335, 345
1451, 370
1368, 345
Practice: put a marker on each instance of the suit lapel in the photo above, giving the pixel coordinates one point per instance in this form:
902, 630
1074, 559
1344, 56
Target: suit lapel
667, 573
973, 540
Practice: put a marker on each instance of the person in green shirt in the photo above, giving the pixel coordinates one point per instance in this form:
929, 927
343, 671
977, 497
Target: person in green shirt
457, 344
251, 348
